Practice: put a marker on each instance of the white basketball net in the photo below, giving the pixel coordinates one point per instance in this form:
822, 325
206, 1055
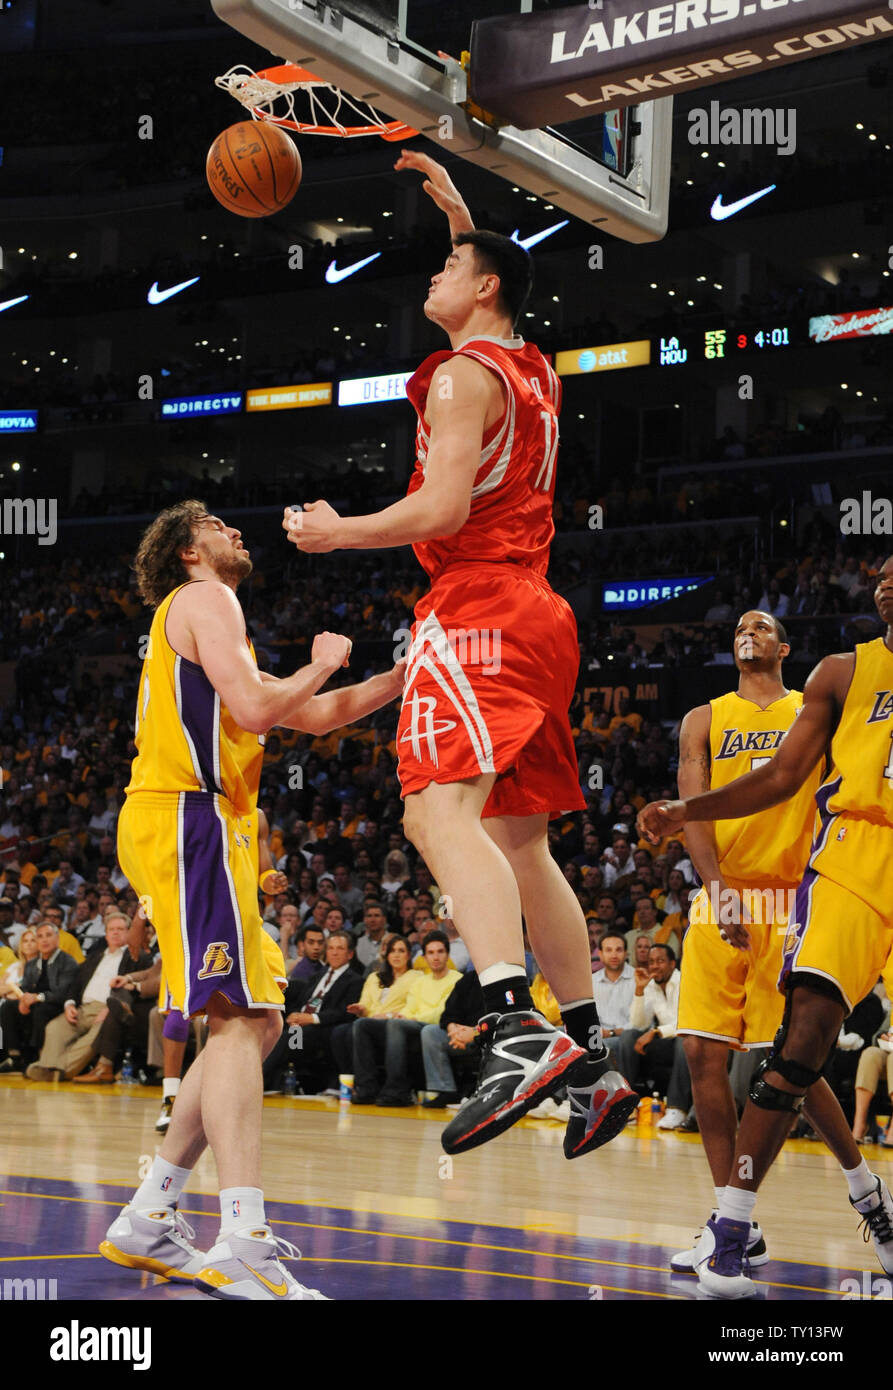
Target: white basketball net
259, 96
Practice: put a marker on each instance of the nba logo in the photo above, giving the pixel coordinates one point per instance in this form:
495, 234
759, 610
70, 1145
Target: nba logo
509, 997
166, 1184
237, 1207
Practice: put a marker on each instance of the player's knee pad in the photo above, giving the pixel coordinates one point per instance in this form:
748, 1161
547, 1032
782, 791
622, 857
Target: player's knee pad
769, 1097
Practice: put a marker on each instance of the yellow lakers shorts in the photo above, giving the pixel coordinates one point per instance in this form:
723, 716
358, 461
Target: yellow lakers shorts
272, 955
838, 935
192, 862
727, 994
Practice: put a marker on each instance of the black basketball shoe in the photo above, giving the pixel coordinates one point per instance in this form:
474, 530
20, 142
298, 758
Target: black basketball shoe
524, 1060
601, 1102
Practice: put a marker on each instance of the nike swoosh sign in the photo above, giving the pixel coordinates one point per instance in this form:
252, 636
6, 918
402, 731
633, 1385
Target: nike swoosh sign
333, 274
8, 303
537, 237
720, 213
280, 1290
157, 296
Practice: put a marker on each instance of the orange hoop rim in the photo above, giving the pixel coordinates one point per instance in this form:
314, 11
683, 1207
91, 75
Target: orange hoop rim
291, 76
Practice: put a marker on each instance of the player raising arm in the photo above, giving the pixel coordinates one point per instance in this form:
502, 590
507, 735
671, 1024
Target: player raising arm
848, 883
484, 742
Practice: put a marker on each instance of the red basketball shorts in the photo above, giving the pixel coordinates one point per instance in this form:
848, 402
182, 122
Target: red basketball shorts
490, 677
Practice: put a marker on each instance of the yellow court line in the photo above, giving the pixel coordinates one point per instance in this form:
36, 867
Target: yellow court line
429, 1240
20, 1259
408, 1216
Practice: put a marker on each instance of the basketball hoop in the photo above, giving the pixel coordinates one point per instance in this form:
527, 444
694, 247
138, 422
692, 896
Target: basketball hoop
260, 91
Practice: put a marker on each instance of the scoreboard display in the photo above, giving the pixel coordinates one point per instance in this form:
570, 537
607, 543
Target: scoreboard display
719, 344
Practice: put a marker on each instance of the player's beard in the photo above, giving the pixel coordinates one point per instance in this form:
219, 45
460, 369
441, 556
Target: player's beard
232, 569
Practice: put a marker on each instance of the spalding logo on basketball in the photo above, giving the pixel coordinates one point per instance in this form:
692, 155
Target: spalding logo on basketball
253, 169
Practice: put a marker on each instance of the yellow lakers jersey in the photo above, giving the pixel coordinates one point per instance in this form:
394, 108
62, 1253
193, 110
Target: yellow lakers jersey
186, 738
861, 777
771, 846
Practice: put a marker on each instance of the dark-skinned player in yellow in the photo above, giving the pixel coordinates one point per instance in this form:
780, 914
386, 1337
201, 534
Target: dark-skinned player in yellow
840, 936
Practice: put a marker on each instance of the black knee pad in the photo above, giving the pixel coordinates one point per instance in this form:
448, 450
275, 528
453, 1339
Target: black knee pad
769, 1097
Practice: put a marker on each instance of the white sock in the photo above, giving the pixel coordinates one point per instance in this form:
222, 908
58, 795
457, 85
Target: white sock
502, 970
162, 1186
736, 1204
170, 1086
719, 1193
861, 1181
240, 1206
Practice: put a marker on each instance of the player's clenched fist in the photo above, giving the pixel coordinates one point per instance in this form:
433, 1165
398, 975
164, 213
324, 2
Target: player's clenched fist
660, 818
313, 528
331, 649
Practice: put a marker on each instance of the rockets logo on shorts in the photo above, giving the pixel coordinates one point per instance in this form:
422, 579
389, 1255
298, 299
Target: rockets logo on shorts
424, 727
218, 960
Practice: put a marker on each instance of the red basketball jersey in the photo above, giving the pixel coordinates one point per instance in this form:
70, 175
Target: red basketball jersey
511, 501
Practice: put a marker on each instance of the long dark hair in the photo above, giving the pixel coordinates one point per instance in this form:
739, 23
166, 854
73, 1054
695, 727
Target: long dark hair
385, 971
157, 565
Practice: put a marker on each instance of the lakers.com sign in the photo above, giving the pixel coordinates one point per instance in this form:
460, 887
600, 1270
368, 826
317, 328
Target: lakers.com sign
546, 68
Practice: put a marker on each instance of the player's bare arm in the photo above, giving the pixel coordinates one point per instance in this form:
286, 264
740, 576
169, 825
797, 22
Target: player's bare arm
801, 748
463, 399
205, 624
336, 708
693, 778
440, 188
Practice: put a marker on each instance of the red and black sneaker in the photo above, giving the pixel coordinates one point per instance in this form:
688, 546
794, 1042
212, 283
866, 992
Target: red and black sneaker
524, 1060
601, 1102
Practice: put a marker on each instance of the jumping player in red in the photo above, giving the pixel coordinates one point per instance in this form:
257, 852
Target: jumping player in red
485, 748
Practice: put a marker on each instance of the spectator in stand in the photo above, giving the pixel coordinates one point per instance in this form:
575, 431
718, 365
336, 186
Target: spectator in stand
396, 871
287, 925
10, 930
47, 981
385, 991
311, 952
427, 996
612, 988
369, 944
349, 896
617, 862
671, 901
70, 1040
317, 1006
651, 1039
12, 967
66, 882
126, 1021
451, 1044
648, 922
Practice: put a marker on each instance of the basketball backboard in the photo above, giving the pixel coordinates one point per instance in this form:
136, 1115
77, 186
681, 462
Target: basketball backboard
611, 171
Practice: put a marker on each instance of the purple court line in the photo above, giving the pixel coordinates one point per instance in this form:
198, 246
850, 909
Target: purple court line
424, 1258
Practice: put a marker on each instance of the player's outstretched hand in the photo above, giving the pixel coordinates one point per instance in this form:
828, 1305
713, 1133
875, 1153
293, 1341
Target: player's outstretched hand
313, 528
332, 649
660, 818
439, 186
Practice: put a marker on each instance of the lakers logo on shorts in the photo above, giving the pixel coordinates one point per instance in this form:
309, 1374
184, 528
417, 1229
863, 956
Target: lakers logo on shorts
792, 936
218, 960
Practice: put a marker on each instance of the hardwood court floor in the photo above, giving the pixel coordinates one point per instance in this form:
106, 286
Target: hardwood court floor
380, 1212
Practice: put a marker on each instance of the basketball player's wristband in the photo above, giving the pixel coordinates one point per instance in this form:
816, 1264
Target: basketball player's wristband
260, 879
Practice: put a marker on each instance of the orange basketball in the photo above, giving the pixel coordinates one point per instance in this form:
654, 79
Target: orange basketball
253, 168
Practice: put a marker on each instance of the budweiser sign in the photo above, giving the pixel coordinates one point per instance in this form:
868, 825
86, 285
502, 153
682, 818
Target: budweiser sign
858, 323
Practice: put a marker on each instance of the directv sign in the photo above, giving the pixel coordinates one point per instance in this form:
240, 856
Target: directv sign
18, 422
366, 390
620, 596
202, 405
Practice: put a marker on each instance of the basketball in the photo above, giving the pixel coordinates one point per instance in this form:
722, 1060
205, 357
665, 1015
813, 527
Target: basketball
253, 169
